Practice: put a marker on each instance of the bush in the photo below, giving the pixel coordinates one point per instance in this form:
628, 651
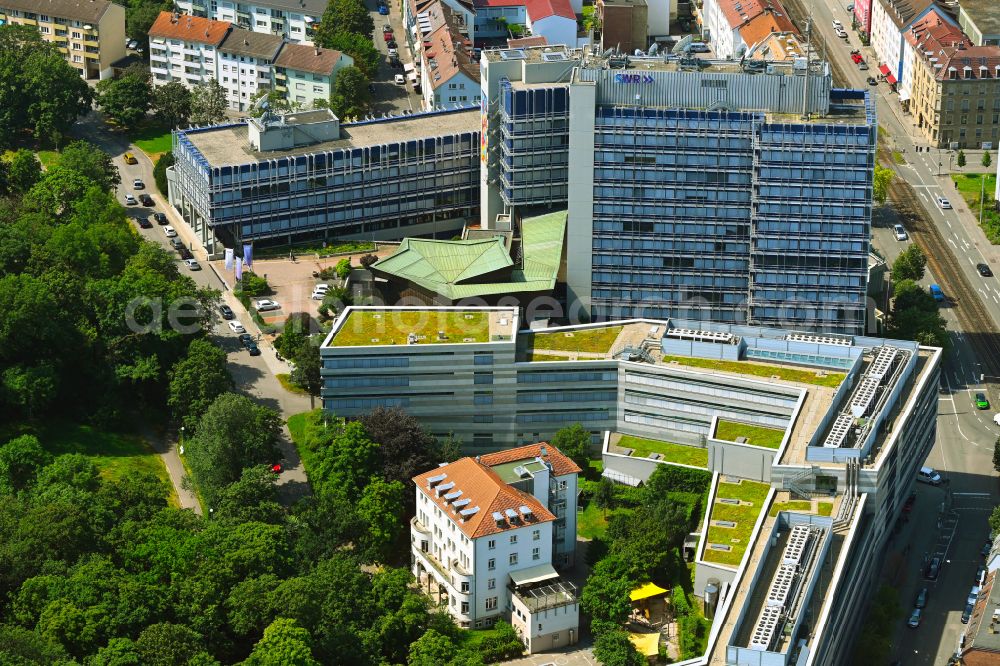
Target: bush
693, 636
160, 171
253, 285
669, 478
343, 268
367, 260
679, 598
504, 644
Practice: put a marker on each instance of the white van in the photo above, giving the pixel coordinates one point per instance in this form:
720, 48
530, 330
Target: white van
929, 475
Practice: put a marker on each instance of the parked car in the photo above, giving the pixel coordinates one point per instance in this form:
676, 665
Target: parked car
137, 184
921, 601
227, 313
936, 293
130, 200
973, 595
185, 253
246, 339
942, 203
169, 231
192, 264
967, 613
130, 159
399, 80
837, 25
392, 45
933, 568
388, 36
982, 402
863, 66
236, 327
980, 572
996, 418
176, 243
146, 200
987, 548
265, 304
914, 620
383, 10
143, 222
393, 53
386, 28
872, 81
160, 218
253, 349
984, 270
856, 57
900, 232
929, 475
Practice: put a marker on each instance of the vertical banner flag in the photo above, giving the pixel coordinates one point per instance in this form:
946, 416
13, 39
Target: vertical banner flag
229, 258
239, 269
248, 255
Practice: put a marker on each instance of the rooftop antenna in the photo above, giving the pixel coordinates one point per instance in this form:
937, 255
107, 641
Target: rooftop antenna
654, 48
805, 87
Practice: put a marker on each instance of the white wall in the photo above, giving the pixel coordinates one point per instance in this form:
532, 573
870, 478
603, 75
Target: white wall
205, 64
500, 553
451, 92
885, 40
658, 13
555, 29
242, 80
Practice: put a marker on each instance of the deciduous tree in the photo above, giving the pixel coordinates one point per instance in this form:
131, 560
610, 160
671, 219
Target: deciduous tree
881, 181
208, 103
909, 265
87, 159
360, 47
284, 643
172, 103
405, 449
127, 98
349, 97
614, 648
24, 170
343, 16
574, 442
987, 160
960, 159
20, 461
196, 381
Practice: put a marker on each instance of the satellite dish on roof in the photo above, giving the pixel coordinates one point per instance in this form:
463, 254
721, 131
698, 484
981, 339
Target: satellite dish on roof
607, 53
639, 53
654, 48
683, 45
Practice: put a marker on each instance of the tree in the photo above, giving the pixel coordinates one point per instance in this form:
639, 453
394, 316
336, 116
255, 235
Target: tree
343, 16
294, 334
343, 268
254, 497
995, 521
253, 285
960, 159
20, 461
24, 170
604, 497
367, 260
284, 644
307, 367
405, 449
605, 596
166, 644
160, 172
172, 103
366, 57
987, 160
196, 381
881, 181
87, 159
614, 648
909, 265
432, 649
348, 463
234, 433
915, 316
503, 645
573, 442
349, 96
381, 510
996, 455
208, 103
139, 18
127, 98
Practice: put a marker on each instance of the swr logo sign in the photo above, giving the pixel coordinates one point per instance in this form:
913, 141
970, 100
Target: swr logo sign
633, 78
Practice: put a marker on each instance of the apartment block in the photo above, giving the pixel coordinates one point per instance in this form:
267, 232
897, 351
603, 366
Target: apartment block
185, 48
449, 75
485, 536
305, 73
246, 66
733, 26
294, 20
732, 207
89, 33
306, 176
851, 420
890, 20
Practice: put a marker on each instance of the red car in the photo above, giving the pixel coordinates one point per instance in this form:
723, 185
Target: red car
856, 57
387, 36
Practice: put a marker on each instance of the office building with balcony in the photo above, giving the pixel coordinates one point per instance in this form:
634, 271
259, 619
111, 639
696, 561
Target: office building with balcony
293, 20
486, 534
813, 441
304, 74
738, 192
246, 66
305, 176
185, 48
89, 33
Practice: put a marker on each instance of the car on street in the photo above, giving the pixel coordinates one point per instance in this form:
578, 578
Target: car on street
246, 339
170, 231
856, 57
160, 218
130, 159
933, 568
399, 80
914, 620
236, 327
984, 270
921, 601
192, 264
900, 232
967, 613
837, 25
982, 402
143, 222
863, 66
388, 36
996, 418
987, 548
872, 81
936, 293
383, 10
393, 53
130, 200
253, 349
942, 203
184, 252
137, 184
176, 243
146, 200
386, 28
265, 304
226, 312
392, 45
980, 572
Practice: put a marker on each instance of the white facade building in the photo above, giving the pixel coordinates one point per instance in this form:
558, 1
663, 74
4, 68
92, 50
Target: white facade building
483, 541
891, 19
246, 64
291, 19
184, 48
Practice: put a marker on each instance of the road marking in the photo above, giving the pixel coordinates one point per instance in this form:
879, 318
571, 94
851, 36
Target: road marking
953, 243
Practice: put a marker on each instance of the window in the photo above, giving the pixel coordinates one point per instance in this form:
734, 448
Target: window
317, 89
536, 535
77, 58
491, 584
76, 35
465, 587
482, 398
492, 564
535, 554
513, 559
483, 378
44, 29
491, 603
483, 359
261, 23
491, 544
513, 538
465, 607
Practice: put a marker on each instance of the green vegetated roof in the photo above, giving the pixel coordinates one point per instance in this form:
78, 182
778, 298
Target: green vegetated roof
445, 267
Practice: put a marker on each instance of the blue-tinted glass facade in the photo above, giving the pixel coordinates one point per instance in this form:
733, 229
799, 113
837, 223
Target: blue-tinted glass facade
534, 141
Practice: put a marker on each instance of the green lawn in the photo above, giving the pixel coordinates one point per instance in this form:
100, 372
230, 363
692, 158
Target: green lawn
822, 508
116, 454
281, 251
48, 158
971, 186
297, 429
831, 379
533, 357
594, 340
384, 327
592, 523
743, 515
288, 385
154, 140
755, 435
677, 453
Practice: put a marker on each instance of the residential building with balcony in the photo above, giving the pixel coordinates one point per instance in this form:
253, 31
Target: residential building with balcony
294, 20
797, 524
185, 48
733, 26
890, 20
483, 541
89, 33
305, 73
449, 75
246, 66
307, 177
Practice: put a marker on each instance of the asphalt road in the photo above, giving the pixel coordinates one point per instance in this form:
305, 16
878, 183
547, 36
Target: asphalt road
389, 97
254, 375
